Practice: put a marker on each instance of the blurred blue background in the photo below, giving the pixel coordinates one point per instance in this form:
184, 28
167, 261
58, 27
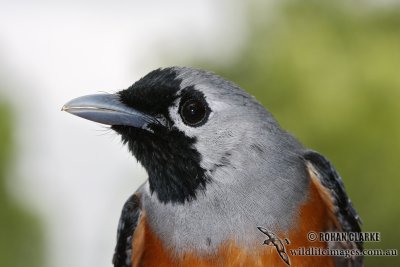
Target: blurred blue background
327, 70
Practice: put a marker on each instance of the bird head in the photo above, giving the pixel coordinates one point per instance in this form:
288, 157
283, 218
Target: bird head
183, 125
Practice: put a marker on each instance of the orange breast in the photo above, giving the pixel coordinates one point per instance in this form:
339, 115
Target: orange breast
314, 216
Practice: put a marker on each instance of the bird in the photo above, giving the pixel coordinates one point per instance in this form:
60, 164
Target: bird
221, 173
277, 242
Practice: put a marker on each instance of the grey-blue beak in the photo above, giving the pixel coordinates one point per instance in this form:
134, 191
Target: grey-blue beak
108, 109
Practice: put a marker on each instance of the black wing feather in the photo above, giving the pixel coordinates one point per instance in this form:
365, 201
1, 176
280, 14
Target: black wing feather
126, 227
347, 216
331, 179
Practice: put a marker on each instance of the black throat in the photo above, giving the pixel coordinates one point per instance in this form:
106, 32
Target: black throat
167, 154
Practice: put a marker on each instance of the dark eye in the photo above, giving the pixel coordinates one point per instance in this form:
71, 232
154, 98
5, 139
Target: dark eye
194, 112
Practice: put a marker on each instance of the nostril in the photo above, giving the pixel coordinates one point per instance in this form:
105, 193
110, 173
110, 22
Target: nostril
164, 121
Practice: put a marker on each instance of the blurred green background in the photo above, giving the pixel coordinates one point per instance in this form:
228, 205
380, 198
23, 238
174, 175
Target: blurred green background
21, 241
329, 72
